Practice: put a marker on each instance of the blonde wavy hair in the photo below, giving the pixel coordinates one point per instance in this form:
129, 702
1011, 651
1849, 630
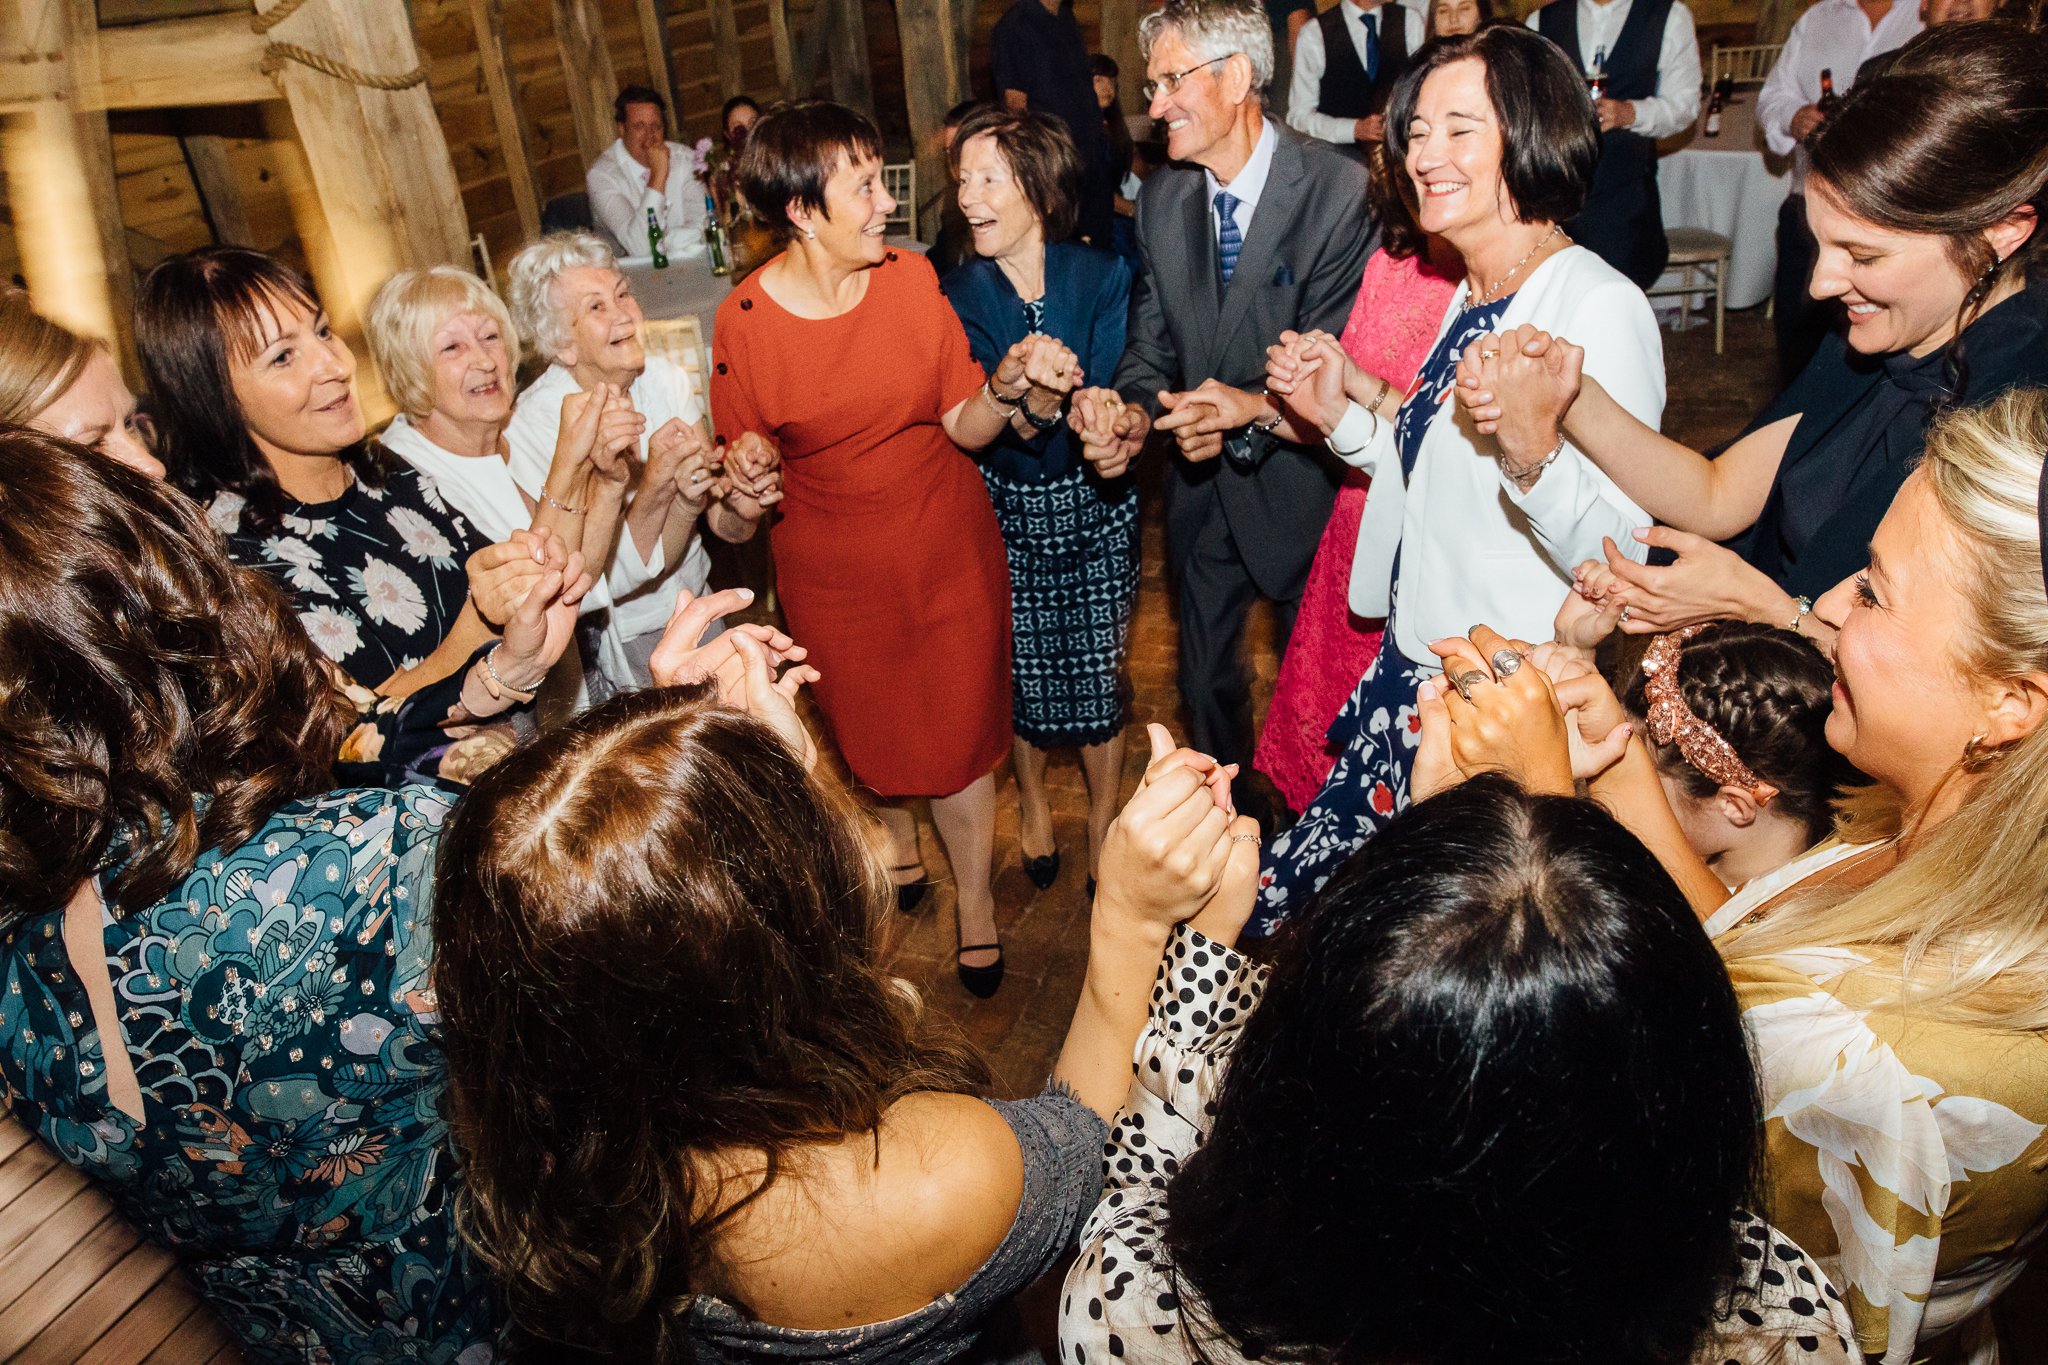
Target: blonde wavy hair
405, 314
1968, 902
39, 359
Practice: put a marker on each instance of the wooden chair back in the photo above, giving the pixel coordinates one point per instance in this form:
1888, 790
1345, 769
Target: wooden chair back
1746, 65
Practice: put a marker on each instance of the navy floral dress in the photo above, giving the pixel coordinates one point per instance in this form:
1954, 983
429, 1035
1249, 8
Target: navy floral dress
292, 1153
377, 576
1379, 729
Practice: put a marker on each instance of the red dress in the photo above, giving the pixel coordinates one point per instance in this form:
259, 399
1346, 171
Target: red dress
887, 557
1395, 320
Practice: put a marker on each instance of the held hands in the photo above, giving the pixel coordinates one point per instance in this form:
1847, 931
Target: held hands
1308, 370
600, 428
1112, 432
1049, 364
1588, 613
1199, 418
501, 575
1518, 387
1707, 582
753, 475
740, 661
545, 621
1179, 848
682, 457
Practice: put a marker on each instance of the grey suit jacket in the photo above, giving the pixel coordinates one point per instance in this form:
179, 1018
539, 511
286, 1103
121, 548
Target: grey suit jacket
1299, 268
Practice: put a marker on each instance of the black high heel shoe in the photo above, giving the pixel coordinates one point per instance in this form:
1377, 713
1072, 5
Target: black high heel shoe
981, 982
1043, 872
910, 894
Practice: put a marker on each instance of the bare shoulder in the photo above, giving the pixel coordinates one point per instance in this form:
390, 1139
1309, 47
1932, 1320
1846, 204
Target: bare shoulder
952, 1173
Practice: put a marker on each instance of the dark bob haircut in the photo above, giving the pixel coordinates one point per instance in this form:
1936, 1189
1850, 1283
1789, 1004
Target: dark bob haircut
1040, 153
1549, 139
725, 111
200, 312
1500, 1076
794, 150
638, 94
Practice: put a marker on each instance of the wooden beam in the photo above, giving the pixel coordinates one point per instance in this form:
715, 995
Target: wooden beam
846, 28
175, 62
488, 19
653, 17
379, 162
220, 198
1120, 41
934, 77
785, 50
60, 175
725, 49
587, 69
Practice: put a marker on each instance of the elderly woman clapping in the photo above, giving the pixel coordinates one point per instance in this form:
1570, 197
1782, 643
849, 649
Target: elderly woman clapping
573, 304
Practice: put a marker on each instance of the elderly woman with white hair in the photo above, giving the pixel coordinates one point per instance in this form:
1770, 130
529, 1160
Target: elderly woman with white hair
571, 301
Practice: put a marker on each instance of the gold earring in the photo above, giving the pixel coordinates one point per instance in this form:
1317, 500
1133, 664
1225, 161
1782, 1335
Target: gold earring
1977, 755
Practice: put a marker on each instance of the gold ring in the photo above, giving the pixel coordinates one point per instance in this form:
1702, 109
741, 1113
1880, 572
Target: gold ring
1241, 838
1488, 355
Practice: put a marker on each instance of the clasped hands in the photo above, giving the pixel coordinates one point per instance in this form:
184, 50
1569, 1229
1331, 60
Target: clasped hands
740, 662
1179, 850
600, 433
1549, 721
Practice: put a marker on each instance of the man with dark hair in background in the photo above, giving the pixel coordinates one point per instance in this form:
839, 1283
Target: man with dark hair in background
644, 173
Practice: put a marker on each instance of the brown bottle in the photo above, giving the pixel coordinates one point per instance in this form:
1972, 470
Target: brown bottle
1828, 98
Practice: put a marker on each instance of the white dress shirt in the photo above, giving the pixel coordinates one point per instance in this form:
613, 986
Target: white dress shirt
644, 588
1835, 34
1473, 546
1677, 101
620, 197
1311, 60
1249, 185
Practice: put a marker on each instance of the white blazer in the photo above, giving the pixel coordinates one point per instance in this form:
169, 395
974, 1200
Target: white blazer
1474, 548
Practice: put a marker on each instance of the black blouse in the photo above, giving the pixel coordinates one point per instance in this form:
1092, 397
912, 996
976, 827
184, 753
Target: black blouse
1862, 426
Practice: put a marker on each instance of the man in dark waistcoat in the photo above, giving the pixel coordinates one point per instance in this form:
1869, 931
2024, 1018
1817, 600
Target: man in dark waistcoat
1648, 60
1345, 67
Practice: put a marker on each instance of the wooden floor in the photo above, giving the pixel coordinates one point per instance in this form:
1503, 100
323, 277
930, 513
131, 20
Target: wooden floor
1045, 933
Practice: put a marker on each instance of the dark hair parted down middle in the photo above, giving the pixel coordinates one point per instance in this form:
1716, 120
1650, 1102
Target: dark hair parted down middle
794, 150
200, 313
1549, 140
1767, 691
143, 676
1040, 153
1496, 1105
655, 943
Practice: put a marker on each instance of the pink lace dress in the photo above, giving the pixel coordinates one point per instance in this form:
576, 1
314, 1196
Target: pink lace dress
1393, 323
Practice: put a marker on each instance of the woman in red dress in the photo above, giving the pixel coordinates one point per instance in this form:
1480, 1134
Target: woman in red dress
888, 560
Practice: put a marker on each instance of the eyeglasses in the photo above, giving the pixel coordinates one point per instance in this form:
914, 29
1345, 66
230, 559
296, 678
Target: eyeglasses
1170, 82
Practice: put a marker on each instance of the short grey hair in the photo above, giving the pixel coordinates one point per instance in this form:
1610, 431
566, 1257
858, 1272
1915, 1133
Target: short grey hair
1215, 29
531, 279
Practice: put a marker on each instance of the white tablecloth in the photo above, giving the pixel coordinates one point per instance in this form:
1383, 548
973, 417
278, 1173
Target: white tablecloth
688, 286
1730, 185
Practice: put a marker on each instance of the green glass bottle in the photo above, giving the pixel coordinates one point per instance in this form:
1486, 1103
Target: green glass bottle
654, 236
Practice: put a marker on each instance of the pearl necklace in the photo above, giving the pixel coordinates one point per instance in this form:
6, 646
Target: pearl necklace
1488, 295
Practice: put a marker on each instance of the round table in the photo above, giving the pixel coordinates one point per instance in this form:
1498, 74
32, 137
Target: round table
1731, 185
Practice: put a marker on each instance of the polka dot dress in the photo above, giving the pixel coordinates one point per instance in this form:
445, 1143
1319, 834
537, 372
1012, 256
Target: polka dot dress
1119, 1303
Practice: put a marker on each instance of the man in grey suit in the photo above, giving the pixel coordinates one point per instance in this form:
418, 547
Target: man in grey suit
1252, 231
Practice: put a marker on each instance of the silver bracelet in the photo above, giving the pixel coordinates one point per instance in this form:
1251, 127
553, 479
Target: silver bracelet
1006, 407
503, 688
1519, 472
1803, 607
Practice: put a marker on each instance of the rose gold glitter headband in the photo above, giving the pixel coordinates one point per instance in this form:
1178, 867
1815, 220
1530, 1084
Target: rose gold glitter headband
1671, 721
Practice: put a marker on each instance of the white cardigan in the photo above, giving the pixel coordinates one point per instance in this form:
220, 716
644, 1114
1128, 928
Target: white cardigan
1474, 548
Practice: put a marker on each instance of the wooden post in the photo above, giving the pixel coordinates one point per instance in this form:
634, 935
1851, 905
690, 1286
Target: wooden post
1120, 41
785, 50
587, 67
60, 174
725, 49
847, 37
379, 161
220, 198
653, 17
487, 17
933, 80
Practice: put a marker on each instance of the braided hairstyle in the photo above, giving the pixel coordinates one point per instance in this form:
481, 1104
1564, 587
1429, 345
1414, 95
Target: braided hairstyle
1766, 690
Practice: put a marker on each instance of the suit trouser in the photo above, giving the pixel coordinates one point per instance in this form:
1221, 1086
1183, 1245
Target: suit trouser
1216, 593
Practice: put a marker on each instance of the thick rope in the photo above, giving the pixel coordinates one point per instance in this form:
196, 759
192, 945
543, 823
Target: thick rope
277, 54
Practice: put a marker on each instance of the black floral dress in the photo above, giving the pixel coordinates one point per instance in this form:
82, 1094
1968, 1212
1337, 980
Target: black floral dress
378, 575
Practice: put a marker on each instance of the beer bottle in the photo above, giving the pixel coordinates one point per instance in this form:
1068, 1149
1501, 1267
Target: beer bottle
1723, 88
714, 238
654, 236
1828, 98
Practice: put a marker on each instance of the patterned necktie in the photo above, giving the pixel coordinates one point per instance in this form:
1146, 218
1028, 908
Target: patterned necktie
1372, 46
1228, 242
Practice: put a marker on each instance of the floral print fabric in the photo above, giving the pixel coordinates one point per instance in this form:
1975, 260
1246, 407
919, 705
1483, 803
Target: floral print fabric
378, 576
1121, 1301
292, 1150
1906, 1152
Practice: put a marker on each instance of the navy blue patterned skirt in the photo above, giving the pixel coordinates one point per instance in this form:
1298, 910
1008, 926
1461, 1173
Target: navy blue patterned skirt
1072, 545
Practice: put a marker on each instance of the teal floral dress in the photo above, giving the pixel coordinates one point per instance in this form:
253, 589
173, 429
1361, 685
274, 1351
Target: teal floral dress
293, 1152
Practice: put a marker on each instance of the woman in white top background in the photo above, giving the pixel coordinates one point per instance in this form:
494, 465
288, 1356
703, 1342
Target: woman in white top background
1499, 143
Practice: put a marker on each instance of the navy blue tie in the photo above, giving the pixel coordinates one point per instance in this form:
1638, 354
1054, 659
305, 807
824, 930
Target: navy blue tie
1228, 241
1372, 46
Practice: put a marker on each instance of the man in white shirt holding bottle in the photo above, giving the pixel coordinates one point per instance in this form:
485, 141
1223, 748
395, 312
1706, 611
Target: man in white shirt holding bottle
1646, 57
642, 173
1345, 65
1837, 36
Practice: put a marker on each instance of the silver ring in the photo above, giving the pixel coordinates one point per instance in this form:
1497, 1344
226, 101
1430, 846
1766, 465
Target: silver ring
1463, 682
1624, 613
1506, 663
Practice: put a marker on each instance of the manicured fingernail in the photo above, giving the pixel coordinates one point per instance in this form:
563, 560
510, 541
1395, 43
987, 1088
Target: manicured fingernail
747, 593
